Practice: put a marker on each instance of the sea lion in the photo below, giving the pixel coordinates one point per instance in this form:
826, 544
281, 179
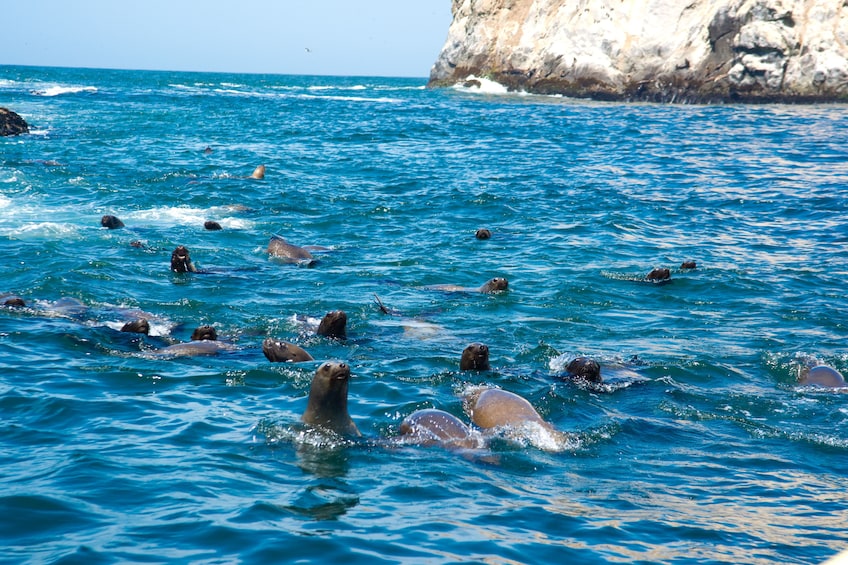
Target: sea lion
688, 265
496, 284
204, 332
585, 368
497, 410
659, 274
475, 357
111, 222
821, 375
139, 326
258, 173
204, 341
327, 405
279, 247
212, 225
437, 427
493, 407
483, 233
14, 302
181, 261
283, 351
333, 325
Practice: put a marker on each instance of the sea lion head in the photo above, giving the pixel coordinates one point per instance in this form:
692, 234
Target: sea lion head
181, 261
111, 222
659, 274
14, 302
483, 233
327, 405
497, 284
212, 225
585, 368
258, 172
333, 325
140, 326
475, 357
283, 351
689, 265
204, 333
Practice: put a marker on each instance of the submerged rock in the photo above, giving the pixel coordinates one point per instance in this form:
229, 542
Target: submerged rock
11, 123
652, 50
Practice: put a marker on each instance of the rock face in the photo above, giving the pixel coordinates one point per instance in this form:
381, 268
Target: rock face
11, 123
657, 50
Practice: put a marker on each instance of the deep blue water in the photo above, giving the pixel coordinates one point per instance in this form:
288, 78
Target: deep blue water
702, 450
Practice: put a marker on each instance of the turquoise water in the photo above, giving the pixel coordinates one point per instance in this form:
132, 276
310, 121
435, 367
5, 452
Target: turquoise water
699, 448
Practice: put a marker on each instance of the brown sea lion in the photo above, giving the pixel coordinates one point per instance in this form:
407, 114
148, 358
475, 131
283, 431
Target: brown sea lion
496, 284
437, 427
327, 406
212, 225
181, 261
333, 325
14, 302
688, 265
204, 341
279, 247
821, 375
204, 332
483, 233
282, 351
140, 326
475, 357
659, 274
111, 222
494, 409
585, 368
258, 173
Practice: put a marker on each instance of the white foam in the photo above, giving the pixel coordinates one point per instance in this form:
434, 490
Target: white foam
189, 216
486, 86
58, 90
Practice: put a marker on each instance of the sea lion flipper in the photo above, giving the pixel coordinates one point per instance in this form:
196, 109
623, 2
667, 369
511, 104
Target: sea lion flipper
380, 305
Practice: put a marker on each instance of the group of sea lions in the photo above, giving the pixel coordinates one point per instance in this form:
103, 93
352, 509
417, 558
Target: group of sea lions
488, 408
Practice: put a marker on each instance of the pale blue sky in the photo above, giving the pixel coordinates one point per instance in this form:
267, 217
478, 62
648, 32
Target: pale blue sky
343, 37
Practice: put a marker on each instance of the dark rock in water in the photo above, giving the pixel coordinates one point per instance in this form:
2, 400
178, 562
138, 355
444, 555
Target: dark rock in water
11, 123
212, 225
689, 265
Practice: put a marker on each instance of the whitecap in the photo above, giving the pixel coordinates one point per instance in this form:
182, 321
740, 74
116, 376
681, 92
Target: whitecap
483, 85
58, 90
189, 216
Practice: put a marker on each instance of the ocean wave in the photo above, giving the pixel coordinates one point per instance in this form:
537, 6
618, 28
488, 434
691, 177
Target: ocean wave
58, 90
188, 216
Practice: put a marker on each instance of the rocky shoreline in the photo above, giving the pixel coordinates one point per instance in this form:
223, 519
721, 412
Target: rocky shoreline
759, 51
11, 123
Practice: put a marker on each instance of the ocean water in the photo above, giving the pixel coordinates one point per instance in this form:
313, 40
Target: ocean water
700, 446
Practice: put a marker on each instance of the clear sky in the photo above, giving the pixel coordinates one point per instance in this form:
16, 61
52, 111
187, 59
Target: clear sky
399, 38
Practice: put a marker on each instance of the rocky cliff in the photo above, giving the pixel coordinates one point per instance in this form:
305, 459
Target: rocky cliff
659, 50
